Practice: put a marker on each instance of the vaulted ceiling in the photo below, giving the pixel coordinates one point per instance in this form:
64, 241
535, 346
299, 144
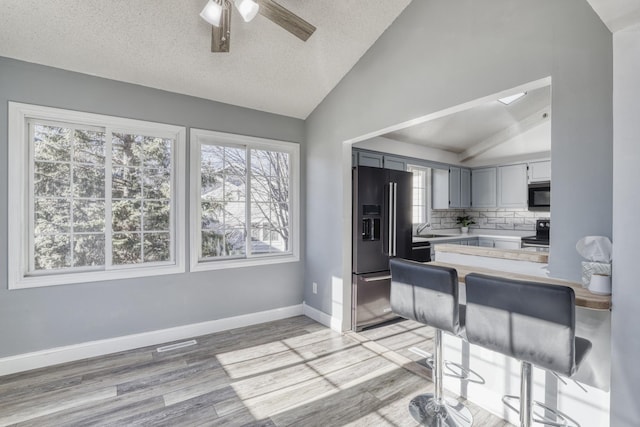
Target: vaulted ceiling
165, 44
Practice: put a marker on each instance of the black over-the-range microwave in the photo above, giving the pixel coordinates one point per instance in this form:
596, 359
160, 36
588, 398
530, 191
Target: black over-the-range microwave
540, 196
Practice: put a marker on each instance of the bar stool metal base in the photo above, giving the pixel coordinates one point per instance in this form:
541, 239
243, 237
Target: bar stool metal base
427, 412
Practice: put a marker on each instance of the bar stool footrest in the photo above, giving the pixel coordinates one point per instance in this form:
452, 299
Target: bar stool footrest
562, 419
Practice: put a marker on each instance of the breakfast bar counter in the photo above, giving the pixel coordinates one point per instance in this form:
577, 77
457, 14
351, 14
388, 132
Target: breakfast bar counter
584, 298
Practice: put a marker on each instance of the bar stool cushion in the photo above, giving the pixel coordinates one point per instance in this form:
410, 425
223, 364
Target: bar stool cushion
425, 293
532, 322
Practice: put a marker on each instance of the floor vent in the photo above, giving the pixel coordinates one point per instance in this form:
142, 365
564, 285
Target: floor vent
176, 346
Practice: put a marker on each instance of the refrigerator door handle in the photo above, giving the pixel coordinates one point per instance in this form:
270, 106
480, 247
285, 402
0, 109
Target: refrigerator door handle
395, 217
376, 278
390, 251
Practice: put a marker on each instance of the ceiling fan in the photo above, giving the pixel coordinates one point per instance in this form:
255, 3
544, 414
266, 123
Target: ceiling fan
218, 14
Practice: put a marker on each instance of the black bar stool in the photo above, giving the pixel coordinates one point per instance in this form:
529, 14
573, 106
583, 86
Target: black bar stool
532, 322
429, 295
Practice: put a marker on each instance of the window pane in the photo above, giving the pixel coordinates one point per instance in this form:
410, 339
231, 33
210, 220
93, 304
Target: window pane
126, 248
88, 215
126, 215
157, 247
52, 252
270, 197
219, 243
212, 214
88, 181
52, 216
126, 183
51, 143
157, 183
156, 215
127, 149
89, 147
157, 152
88, 250
52, 179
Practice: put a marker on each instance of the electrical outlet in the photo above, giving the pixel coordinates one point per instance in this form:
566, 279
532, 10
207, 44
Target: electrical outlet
315, 288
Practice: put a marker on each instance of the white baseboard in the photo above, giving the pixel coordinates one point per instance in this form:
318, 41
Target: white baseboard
334, 323
54, 356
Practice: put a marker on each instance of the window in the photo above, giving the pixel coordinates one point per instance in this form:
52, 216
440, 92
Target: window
421, 193
244, 200
96, 197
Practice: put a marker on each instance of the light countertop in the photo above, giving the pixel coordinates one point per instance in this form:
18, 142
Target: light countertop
511, 254
584, 298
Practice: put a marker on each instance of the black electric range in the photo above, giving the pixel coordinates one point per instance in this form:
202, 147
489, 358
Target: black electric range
541, 239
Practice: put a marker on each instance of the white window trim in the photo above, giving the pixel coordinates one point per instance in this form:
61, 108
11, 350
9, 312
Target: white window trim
19, 196
196, 138
427, 191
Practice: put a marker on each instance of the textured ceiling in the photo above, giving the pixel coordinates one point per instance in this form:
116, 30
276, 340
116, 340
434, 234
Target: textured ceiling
165, 44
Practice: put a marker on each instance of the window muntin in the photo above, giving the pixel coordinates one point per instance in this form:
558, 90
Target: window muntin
245, 207
99, 193
421, 194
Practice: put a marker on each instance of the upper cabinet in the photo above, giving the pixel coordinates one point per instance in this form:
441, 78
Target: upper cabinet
483, 188
440, 188
512, 186
378, 160
451, 188
465, 188
540, 171
396, 163
373, 160
454, 187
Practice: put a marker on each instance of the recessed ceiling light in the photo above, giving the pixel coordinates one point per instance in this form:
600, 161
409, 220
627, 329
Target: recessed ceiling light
512, 98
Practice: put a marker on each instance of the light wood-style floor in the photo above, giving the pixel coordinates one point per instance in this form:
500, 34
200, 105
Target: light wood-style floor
292, 372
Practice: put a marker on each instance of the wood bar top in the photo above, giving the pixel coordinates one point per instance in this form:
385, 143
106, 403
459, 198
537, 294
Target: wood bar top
513, 254
584, 298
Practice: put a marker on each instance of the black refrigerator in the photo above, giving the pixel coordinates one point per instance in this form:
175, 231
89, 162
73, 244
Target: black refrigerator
382, 203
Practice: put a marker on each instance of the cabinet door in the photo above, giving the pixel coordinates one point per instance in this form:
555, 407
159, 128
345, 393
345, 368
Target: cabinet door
540, 171
484, 242
512, 186
440, 188
454, 187
370, 159
472, 242
465, 188
483, 188
506, 244
394, 163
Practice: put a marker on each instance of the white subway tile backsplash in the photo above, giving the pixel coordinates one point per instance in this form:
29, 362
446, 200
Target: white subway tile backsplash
488, 218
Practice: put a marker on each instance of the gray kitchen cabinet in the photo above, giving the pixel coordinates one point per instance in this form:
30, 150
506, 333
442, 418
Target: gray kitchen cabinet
485, 242
506, 244
454, 187
540, 171
373, 160
396, 163
483, 188
440, 188
465, 188
512, 186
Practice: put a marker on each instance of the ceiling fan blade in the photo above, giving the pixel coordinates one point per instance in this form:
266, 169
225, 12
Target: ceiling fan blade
286, 19
221, 36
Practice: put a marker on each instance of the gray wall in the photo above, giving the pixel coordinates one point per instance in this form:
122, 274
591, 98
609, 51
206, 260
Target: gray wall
441, 53
42, 318
625, 341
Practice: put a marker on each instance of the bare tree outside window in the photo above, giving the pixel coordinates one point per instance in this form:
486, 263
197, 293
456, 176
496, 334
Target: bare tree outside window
225, 223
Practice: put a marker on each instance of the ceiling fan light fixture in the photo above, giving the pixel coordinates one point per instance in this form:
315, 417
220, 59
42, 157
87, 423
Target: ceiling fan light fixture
248, 9
212, 13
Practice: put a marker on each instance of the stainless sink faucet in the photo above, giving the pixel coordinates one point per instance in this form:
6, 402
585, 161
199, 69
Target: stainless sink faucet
420, 228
